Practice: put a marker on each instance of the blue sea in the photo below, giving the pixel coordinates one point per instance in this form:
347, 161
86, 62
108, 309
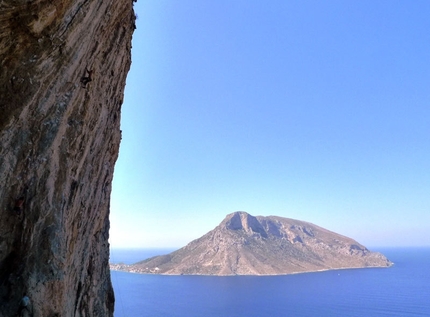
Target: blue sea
402, 290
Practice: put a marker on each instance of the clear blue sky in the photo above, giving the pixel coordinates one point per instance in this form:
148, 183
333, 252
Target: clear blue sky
312, 110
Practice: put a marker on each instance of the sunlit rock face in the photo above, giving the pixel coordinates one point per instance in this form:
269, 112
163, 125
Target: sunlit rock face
59, 140
246, 245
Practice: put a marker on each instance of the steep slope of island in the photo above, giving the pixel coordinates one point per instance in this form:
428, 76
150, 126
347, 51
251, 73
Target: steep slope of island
247, 245
63, 70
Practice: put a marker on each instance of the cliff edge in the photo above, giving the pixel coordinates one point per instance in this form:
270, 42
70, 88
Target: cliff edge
63, 70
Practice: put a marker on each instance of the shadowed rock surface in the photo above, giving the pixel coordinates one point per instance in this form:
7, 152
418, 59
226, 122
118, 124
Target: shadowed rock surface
59, 140
247, 245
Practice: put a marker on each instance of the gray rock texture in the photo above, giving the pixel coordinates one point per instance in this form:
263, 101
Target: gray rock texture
247, 245
59, 140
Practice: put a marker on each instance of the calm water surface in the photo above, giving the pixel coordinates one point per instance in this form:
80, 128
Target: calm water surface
402, 290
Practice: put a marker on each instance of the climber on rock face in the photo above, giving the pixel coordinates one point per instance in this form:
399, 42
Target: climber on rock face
25, 308
86, 79
19, 205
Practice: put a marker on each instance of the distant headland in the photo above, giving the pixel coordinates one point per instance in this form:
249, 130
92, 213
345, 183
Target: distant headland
246, 245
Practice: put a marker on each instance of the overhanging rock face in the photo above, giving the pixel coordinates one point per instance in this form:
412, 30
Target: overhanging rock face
63, 70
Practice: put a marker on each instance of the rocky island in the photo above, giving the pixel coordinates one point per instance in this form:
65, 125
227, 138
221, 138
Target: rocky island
246, 245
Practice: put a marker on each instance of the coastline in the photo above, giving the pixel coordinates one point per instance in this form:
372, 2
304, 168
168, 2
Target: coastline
112, 268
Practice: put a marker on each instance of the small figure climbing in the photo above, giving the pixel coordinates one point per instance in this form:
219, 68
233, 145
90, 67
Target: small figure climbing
19, 205
86, 79
25, 308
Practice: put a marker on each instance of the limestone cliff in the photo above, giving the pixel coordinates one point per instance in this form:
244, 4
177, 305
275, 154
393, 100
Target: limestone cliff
247, 245
59, 140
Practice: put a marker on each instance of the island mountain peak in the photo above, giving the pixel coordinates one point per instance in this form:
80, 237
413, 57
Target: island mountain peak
241, 220
246, 245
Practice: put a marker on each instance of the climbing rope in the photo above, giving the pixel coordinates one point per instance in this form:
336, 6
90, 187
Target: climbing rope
118, 291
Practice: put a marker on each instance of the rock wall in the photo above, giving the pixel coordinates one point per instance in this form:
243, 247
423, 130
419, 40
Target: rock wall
59, 141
